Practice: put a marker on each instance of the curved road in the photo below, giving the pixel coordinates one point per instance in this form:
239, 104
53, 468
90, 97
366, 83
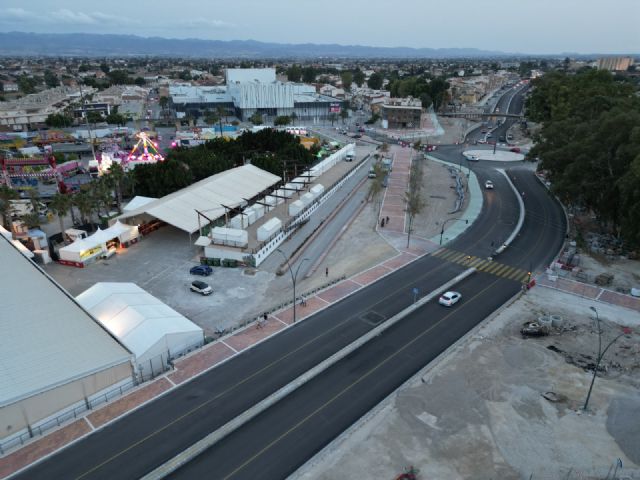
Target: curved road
278, 441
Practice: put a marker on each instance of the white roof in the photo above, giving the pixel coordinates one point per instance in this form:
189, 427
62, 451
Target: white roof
227, 188
262, 75
133, 315
46, 338
137, 202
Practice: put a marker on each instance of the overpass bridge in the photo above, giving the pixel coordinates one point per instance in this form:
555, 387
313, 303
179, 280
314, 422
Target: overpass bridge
478, 115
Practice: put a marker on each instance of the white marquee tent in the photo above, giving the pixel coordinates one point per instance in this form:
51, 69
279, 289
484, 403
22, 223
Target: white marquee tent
152, 330
209, 196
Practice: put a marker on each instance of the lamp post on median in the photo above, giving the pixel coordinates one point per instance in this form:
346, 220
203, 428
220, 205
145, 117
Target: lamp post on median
294, 278
601, 354
450, 220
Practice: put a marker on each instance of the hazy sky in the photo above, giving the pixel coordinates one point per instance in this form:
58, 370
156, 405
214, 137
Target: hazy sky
525, 26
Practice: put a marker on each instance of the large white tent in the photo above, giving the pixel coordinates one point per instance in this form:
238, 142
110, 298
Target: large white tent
84, 249
152, 330
209, 196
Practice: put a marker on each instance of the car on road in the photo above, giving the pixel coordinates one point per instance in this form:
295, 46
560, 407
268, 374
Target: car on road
515, 149
489, 135
488, 185
349, 157
204, 270
473, 158
449, 299
356, 135
201, 287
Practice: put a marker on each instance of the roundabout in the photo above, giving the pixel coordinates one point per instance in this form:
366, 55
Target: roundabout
490, 155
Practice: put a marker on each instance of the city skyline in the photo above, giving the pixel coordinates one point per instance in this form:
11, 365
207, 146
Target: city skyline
542, 28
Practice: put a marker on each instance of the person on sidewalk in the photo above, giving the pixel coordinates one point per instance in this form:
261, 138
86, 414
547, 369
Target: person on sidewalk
326, 272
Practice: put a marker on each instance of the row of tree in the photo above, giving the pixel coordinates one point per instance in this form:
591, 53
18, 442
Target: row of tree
274, 151
430, 91
590, 144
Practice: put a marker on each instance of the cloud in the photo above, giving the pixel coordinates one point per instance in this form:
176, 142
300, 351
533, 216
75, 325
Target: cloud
64, 16
17, 14
206, 23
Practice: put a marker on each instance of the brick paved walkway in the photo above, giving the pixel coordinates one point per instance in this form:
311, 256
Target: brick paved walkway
590, 291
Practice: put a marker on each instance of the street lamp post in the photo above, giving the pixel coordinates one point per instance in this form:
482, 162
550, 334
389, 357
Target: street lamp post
294, 278
450, 220
601, 354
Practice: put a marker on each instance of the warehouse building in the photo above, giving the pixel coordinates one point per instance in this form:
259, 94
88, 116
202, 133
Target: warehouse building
256, 90
56, 360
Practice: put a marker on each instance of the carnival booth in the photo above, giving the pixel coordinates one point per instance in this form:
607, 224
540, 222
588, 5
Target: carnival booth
102, 243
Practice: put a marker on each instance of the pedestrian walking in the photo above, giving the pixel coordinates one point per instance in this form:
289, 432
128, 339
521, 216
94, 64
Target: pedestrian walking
303, 301
382, 223
387, 220
326, 272
264, 317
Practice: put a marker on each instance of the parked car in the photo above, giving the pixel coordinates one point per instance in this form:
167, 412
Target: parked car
515, 150
488, 185
204, 270
448, 299
201, 288
356, 135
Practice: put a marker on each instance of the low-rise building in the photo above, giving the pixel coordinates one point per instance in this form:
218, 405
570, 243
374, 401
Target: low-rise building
401, 113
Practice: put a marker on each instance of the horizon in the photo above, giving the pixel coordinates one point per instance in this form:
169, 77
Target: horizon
583, 28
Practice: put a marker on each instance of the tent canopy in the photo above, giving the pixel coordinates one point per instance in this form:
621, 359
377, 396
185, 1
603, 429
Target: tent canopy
228, 188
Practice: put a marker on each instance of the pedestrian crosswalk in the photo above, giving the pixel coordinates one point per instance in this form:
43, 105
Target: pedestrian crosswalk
483, 265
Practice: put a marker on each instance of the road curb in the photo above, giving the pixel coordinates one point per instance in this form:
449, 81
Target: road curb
516, 230
199, 447
414, 379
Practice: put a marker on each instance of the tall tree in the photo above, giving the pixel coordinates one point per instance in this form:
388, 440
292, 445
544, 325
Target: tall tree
358, 77
375, 81
347, 80
60, 205
6, 195
294, 73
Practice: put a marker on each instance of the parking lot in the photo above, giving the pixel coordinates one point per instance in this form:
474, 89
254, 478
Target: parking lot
160, 264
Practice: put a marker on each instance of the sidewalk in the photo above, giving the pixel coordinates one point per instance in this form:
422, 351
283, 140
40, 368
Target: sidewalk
592, 292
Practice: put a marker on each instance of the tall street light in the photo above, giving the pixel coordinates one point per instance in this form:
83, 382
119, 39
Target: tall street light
450, 220
294, 278
601, 354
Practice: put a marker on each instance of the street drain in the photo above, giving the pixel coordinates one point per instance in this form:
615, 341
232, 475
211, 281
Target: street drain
373, 318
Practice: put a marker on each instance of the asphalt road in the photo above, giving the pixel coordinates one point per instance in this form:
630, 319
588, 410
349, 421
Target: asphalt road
282, 438
141, 441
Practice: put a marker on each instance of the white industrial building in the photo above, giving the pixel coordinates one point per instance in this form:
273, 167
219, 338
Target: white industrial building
256, 90
154, 332
54, 356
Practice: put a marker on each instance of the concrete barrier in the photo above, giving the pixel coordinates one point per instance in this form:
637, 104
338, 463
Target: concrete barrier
200, 446
516, 230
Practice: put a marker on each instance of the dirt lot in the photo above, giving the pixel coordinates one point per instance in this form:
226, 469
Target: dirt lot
480, 411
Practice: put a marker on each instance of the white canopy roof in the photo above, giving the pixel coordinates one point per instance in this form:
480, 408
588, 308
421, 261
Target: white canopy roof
137, 318
227, 188
79, 245
137, 202
47, 338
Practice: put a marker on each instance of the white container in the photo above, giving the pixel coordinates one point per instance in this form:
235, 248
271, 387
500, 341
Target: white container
271, 201
230, 236
239, 221
317, 190
270, 227
295, 208
284, 193
250, 215
307, 198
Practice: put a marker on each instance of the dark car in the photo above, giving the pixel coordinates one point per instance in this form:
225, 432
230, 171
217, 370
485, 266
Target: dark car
204, 270
356, 135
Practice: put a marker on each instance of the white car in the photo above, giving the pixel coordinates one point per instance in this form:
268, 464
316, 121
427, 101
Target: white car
448, 299
488, 185
201, 287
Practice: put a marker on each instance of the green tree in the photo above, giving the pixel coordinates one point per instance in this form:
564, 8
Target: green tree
282, 120
347, 80
51, 79
358, 77
119, 77
6, 195
60, 205
185, 75
256, 119
115, 179
104, 67
83, 67
139, 81
164, 102
309, 74
294, 73
413, 196
375, 81
116, 119
26, 85
94, 117
58, 120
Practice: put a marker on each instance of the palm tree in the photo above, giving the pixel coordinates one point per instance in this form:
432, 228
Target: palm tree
116, 178
60, 205
6, 194
84, 203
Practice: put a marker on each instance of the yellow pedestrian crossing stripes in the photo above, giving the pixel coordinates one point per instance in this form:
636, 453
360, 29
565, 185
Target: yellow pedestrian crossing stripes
483, 265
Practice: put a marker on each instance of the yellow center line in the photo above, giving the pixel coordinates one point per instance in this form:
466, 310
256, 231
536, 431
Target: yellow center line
249, 378
349, 387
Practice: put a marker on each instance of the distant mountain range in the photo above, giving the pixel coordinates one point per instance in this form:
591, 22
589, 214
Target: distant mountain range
95, 45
